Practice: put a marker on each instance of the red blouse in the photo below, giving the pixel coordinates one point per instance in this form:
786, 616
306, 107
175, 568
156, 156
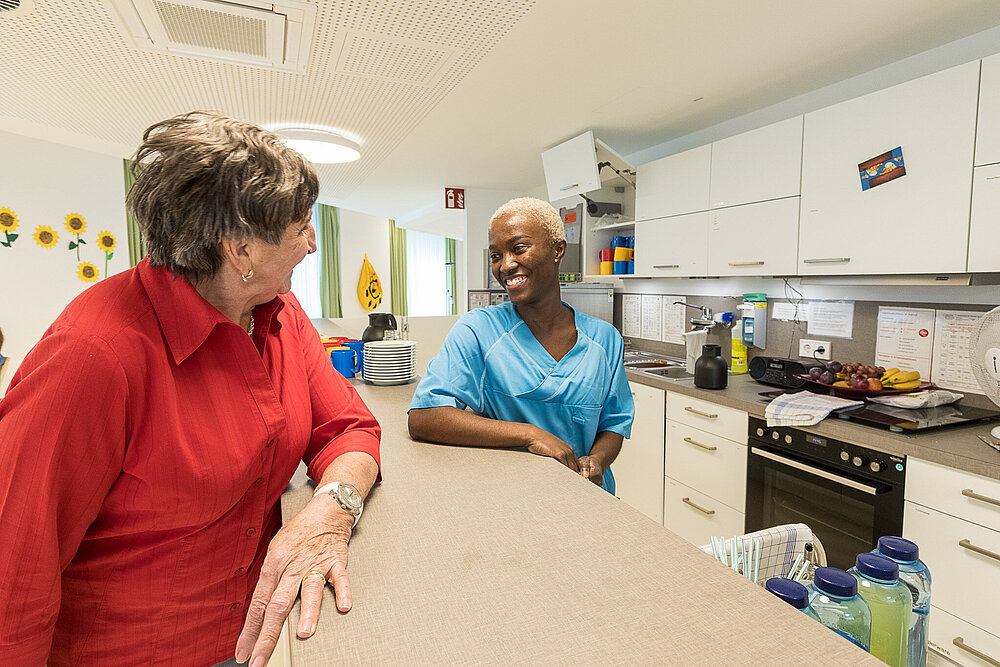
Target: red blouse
144, 444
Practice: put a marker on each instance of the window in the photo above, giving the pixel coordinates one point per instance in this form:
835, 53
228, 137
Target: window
426, 278
305, 280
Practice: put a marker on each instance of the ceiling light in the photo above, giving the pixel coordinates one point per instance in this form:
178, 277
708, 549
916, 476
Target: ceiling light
320, 146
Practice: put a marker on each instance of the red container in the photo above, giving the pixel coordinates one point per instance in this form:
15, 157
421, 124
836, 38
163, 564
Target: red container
607, 254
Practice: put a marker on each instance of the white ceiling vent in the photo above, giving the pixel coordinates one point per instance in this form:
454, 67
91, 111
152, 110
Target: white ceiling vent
14, 7
391, 59
265, 34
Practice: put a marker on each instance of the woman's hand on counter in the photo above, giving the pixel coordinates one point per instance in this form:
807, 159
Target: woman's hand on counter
591, 468
543, 443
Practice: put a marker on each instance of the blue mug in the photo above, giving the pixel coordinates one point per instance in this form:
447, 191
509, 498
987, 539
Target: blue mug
346, 361
359, 347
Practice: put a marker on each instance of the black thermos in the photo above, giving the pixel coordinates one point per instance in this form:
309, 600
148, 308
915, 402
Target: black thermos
711, 370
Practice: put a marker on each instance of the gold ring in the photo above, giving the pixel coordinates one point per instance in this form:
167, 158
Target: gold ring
314, 573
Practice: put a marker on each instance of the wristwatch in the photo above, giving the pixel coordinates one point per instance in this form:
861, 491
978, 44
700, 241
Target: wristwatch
347, 495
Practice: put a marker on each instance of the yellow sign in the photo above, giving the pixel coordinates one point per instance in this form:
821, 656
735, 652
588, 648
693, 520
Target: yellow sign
369, 287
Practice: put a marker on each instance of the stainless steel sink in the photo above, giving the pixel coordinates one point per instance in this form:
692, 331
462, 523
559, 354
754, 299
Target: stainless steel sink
671, 373
654, 365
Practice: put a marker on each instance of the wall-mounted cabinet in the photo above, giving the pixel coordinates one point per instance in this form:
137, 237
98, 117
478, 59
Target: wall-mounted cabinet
674, 185
759, 165
754, 239
917, 223
571, 167
988, 122
984, 232
672, 247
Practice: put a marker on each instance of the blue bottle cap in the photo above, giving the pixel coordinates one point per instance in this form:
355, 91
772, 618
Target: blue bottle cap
898, 548
790, 591
878, 567
834, 581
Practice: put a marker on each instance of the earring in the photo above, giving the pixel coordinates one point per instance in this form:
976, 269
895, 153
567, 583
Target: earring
248, 276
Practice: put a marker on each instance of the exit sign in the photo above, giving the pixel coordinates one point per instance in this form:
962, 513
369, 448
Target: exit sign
454, 198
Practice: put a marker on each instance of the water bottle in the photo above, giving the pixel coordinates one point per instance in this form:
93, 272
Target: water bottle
890, 604
916, 577
793, 593
836, 602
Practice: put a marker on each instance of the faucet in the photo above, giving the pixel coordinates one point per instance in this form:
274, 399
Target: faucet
706, 315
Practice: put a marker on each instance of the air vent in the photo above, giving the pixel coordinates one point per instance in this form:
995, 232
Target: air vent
265, 34
391, 59
10, 8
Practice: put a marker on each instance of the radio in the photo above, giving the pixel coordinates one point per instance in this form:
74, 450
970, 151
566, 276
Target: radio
780, 372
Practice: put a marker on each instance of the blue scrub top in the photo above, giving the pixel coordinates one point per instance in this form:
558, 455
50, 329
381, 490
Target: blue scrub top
492, 363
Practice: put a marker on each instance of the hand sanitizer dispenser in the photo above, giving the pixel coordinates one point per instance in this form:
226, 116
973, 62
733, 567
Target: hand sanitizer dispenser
754, 308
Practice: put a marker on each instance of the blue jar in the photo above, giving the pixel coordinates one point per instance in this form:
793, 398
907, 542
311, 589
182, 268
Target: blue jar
791, 592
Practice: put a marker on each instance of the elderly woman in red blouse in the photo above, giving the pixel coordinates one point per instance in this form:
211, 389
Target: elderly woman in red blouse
146, 439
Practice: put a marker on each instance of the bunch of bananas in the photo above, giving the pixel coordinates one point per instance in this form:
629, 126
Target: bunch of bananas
897, 379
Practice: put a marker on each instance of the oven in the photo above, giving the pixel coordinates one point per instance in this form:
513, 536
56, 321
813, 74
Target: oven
847, 494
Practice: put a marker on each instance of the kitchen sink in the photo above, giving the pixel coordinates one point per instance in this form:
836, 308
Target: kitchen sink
671, 373
657, 366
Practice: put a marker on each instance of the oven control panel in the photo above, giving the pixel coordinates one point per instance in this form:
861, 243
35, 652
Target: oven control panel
845, 456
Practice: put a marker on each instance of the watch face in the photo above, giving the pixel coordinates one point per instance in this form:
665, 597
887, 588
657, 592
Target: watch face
349, 496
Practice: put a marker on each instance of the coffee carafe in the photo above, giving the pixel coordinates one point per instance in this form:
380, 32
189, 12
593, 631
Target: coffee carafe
711, 370
378, 323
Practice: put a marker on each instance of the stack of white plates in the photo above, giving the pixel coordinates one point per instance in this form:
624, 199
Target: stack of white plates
389, 361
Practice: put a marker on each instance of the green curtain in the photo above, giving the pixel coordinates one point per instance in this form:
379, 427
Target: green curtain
329, 259
451, 271
397, 269
136, 244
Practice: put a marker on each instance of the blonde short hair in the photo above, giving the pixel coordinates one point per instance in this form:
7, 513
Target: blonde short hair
540, 211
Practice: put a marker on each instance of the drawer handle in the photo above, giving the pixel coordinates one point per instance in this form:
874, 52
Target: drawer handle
706, 415
969, 493
567, 187
960, 643
687, 501
760, 263
709, 448
827, 260
666, 266
979, 550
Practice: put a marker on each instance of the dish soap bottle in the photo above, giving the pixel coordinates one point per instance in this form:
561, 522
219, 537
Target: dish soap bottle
738, 348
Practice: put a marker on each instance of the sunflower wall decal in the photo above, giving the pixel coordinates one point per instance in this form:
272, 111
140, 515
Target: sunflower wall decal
106, 242
8, 223
76, 225
45, 236
87, 272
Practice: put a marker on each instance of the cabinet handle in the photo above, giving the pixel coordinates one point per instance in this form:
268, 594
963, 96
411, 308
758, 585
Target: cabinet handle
666, 266
969, 493
709, 448
827, 260
979, 550
960, 643
760, 263
706, 415
687, 501
567, 187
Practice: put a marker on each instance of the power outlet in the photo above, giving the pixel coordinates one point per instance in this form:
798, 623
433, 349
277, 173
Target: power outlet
814, 349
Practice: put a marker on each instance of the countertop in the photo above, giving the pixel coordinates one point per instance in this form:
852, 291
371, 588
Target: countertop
955, 447
476, 556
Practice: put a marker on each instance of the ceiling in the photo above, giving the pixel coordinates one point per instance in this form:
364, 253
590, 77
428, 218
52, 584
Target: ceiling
466, 92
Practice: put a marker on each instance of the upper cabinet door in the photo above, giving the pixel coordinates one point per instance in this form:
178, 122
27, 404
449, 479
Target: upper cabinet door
988, 129
571, 167
757, 239
676, 246
674, 185
757, 166
916, 223
984, 232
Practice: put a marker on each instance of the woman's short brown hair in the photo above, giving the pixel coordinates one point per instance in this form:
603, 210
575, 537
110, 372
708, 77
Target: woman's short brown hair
202, 177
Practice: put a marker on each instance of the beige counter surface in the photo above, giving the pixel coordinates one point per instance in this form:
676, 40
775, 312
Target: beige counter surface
955, 447
476, 556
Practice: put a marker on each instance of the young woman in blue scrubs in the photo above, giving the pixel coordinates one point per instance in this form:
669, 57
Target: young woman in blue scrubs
533, 372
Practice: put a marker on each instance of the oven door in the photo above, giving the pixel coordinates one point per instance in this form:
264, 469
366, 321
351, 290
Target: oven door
847, 513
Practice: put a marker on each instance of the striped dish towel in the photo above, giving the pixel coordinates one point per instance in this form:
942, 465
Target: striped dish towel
779, 547
804, 408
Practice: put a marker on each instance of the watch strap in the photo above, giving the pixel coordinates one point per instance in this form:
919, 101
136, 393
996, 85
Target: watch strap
331, 489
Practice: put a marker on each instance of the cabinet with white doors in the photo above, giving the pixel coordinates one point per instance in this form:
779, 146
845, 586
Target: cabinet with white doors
758, 165
916, 223
674, 185
672, 247
984, 232
988, 120
704, 469
754, 239
638, 468
954, 517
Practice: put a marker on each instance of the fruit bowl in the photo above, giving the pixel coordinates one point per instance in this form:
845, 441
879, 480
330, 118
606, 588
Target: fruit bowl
847, 392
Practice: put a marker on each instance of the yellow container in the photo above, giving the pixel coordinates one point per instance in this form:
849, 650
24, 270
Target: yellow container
607, 268
624, 254
738, 349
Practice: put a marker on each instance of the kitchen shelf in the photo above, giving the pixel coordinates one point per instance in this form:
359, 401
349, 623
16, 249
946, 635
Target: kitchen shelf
617, 225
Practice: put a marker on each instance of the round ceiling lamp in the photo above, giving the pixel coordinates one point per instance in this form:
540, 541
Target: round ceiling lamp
320, 146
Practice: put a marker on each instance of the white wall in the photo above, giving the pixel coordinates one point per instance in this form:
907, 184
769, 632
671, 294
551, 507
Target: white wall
480, 205
361, 233
42, 182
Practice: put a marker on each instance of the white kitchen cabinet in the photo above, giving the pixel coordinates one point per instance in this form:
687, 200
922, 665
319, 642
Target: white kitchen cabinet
571, 167
984, 232
675, 246
719, 420
917, 223
960, 642
638, 470
759, 165
695, 516
674, 185
961, 494
754, 239
712, 464
988, 123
